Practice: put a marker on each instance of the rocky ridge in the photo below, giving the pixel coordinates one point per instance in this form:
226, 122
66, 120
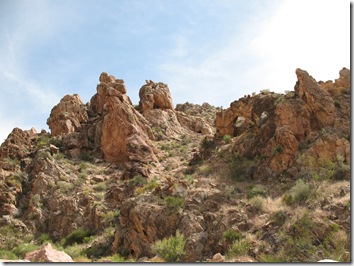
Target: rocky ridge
127, 176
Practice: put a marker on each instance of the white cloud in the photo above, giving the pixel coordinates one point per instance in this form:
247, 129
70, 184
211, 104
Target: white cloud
311, 34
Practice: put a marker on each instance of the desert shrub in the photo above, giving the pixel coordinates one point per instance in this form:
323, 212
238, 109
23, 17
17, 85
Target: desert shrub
44, 238
279, 217
270, 258
8, 255
230, 191
170, 249
231, 235
265, 91
35, 200
148, 187
257, 191
227, 138
239, 248
278, 150
205, 169
337, 104
65, 187
75, 251
111, 217
240, 167
298, 194
100, 187
76, 236
10, 237
136, 181
257, 203
185, 140
174, 202
207, 143
86, 157
116, 258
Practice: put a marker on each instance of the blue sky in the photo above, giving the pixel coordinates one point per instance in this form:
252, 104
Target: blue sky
205, 50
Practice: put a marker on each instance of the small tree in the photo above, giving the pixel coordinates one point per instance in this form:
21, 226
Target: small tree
170, 249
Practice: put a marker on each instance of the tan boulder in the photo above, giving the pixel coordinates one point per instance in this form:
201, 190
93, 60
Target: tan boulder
48, 254
67, 116
217, 258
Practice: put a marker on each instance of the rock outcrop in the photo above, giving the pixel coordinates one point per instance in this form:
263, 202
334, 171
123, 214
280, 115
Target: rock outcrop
155, 96
67, 116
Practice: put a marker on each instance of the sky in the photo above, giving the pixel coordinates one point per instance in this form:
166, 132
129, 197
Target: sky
211, 51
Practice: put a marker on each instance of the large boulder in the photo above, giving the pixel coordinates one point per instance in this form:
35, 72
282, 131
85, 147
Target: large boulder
48, 254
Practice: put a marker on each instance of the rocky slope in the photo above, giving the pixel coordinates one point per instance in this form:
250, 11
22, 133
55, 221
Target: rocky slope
266, 179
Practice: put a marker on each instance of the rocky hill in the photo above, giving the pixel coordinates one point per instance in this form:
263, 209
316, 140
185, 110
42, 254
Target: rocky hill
267, 179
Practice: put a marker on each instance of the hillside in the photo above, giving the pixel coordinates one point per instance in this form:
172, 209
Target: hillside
265, 180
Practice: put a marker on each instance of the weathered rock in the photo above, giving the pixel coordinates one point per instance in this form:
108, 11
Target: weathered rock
67, 116
194, 123
155, 96
48, 254
319, 102
19, 144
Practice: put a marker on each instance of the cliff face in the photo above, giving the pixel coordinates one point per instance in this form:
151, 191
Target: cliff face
133, 175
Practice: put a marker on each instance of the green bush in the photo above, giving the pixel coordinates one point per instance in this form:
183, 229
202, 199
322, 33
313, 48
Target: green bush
298, 194
170, 249
231, 235
227, 138
148, 187
239, 248
77, 236
136, 181
8, 255
174, 202
100, 187
44, 238
257, 191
